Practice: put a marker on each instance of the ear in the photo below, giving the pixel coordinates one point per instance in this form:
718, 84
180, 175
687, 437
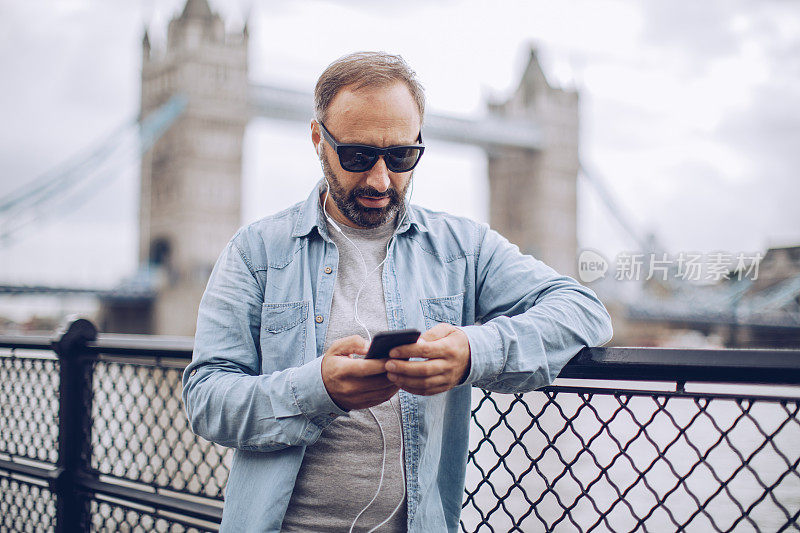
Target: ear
316, 137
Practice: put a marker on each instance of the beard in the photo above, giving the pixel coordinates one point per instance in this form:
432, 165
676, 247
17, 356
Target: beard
347, 201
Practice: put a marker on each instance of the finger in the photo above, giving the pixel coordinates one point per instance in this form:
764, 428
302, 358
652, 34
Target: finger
347, 345
426, 391
424, 383
438, 331
366, 386
427, 349
352, 390
371, 382
417, 368
375, 397
357, 368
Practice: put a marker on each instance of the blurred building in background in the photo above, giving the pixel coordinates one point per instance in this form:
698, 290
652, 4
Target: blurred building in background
533, 193
191, 182
755, 309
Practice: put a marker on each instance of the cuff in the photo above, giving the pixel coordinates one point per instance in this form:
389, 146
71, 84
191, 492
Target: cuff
311, 396
486, 352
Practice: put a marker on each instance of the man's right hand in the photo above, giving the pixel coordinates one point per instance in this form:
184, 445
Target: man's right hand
355, 383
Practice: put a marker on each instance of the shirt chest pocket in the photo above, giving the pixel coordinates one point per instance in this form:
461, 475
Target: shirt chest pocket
283, 335
447, 309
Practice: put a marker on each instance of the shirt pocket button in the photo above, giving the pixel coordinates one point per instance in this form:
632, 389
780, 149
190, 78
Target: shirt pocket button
328, 270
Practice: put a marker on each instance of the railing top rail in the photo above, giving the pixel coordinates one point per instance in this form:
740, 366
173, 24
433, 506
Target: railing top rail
679, 364
142, 345
619, 363
112, 343
31, 342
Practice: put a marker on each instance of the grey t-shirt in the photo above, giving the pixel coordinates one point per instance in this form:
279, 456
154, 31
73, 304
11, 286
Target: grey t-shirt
341, 471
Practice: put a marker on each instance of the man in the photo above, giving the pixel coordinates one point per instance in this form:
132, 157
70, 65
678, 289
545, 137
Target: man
326, 440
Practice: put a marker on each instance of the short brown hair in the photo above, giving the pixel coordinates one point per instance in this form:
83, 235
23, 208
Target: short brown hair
365, 69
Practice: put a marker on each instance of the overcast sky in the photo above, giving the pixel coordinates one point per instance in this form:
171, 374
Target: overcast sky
690, 110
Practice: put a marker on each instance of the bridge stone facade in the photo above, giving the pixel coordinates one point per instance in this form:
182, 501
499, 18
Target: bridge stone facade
533, 193
191, 179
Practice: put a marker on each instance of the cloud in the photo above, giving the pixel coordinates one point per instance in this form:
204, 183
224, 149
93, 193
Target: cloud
767, 128
69, 81
696, 129
700, 31
768, 132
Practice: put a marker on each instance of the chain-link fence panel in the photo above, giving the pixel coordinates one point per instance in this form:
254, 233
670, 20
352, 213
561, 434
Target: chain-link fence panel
572, 460
29, 405
101, 516
26, 506
140, 432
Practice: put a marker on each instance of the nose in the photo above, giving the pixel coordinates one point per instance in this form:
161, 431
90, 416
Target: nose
378, 176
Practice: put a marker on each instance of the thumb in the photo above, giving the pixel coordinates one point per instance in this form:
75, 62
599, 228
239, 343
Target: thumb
347, 345
437, 332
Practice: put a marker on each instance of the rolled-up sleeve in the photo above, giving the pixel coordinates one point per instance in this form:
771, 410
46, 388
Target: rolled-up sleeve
532, 319
227, 399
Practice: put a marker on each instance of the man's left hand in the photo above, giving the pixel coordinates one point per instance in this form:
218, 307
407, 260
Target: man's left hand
446, 349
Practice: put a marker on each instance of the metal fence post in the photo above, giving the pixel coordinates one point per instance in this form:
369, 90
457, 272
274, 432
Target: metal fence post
68, 343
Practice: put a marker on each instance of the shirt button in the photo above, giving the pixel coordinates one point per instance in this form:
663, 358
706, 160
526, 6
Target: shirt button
328, 270
319, 319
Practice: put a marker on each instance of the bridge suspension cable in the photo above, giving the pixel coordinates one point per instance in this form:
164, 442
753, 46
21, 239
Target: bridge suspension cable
646, 244
71, 183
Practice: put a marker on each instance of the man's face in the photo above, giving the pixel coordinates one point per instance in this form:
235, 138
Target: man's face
378, 116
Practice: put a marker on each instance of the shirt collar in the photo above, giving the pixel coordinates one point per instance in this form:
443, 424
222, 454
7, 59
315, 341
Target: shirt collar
311, 216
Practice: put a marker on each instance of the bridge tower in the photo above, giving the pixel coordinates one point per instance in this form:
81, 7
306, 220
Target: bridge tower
533, 194
191, 178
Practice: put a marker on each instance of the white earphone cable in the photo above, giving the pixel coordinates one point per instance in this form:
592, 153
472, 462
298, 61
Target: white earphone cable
361, 256
402, 472
383, 469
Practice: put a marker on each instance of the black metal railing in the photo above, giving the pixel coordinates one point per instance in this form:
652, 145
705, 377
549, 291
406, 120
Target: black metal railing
93, 437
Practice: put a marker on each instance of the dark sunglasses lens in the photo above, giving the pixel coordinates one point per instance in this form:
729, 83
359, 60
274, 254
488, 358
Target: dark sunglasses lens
402, 159
355, 159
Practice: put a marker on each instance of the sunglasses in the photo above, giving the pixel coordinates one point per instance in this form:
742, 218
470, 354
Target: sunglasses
362, 157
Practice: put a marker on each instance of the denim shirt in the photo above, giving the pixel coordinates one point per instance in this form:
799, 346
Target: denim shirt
255, 381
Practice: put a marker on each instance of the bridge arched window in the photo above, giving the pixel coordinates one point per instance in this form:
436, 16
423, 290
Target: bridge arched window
160, 251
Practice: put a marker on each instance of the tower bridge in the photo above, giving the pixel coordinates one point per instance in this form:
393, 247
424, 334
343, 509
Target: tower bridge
488, 133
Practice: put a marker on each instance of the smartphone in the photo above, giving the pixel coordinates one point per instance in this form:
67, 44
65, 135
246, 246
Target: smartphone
386, 340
